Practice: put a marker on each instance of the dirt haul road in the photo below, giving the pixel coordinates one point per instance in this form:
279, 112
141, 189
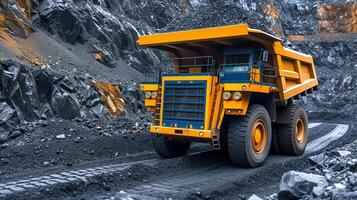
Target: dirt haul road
202, 174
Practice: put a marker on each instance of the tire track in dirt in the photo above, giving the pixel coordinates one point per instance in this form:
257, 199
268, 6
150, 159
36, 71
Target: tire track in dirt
182, 181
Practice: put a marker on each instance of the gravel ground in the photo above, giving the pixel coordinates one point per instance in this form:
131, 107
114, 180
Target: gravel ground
60, 142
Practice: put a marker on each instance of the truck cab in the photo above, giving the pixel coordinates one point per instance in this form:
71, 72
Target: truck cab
232, 87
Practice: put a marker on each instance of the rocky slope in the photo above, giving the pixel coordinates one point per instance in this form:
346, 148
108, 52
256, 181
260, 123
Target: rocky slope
28, 94
97, 38
332, 176
109, 27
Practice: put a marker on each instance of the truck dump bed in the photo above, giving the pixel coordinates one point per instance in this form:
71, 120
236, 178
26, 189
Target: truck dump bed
295, 71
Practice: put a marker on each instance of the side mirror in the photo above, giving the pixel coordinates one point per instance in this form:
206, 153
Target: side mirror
265, 56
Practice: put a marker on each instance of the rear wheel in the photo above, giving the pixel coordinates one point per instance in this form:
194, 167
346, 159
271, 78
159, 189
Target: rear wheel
294, 135
170, 148
249, 137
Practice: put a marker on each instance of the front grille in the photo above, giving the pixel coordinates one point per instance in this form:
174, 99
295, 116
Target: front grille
184, 104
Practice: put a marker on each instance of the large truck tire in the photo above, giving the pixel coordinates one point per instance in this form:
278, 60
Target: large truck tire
249, 137
293, 136
170, 148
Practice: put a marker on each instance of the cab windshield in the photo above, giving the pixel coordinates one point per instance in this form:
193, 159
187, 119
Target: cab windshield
236, 63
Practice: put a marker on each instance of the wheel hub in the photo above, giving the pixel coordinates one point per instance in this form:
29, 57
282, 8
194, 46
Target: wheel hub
300, 131
259, 136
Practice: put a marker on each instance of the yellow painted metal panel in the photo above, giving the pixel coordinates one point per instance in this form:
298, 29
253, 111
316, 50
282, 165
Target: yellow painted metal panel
288, 64
289, 74
194, 35
250, 87
240, 105
299, 88
296, 72
149, 87
306, 72
150, 102
217, 108
205, 134
292, 54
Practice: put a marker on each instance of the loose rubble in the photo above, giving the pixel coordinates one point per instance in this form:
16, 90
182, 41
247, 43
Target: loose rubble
333, 176
29, 94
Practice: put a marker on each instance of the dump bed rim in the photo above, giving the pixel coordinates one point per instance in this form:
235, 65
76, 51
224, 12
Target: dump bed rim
200, 35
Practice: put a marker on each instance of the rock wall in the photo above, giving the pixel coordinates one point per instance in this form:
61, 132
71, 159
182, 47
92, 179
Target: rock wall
109, 30
16, 16
336, 66
337, 18
28, 94
109, 27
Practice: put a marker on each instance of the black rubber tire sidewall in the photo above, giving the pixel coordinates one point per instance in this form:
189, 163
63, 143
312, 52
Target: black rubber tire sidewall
240, 147
259, 158
170, 148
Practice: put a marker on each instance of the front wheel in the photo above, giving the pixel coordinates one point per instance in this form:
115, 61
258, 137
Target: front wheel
170, 148
249, 137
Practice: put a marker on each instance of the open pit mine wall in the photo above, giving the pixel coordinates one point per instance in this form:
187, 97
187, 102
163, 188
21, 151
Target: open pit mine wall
110, 28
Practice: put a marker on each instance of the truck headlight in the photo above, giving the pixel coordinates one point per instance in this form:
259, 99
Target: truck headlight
237, 96
226, 95
147, 95
154, 95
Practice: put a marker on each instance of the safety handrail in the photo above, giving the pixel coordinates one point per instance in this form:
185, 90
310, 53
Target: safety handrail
199, 61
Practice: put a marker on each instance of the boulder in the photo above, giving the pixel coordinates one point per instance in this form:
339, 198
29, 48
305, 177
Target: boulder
6, 112
294, 185
64, 104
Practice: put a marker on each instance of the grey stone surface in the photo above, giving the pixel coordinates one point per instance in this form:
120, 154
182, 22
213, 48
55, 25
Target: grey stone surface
89, 175
91, 169
35, 179
67, 174
77, 172
49, 182
26, 185
57, 176
83, 171
14, 188
45, 177
59, 180
5, 191
71, 178
24, 181
39, 184
11, 183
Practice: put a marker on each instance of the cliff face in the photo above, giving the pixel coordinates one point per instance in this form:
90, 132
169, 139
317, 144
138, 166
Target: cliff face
16, 16
109, 27
337, 18
107, 30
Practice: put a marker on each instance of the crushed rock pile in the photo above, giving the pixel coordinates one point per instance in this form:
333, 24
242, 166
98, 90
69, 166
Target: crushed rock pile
30, 94
218, 13
333, 176
109, 27
336, 66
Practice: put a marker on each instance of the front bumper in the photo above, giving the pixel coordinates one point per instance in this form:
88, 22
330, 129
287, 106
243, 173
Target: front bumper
181, 132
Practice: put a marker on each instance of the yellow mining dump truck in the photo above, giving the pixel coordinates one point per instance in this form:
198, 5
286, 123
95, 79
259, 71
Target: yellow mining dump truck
233, 87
